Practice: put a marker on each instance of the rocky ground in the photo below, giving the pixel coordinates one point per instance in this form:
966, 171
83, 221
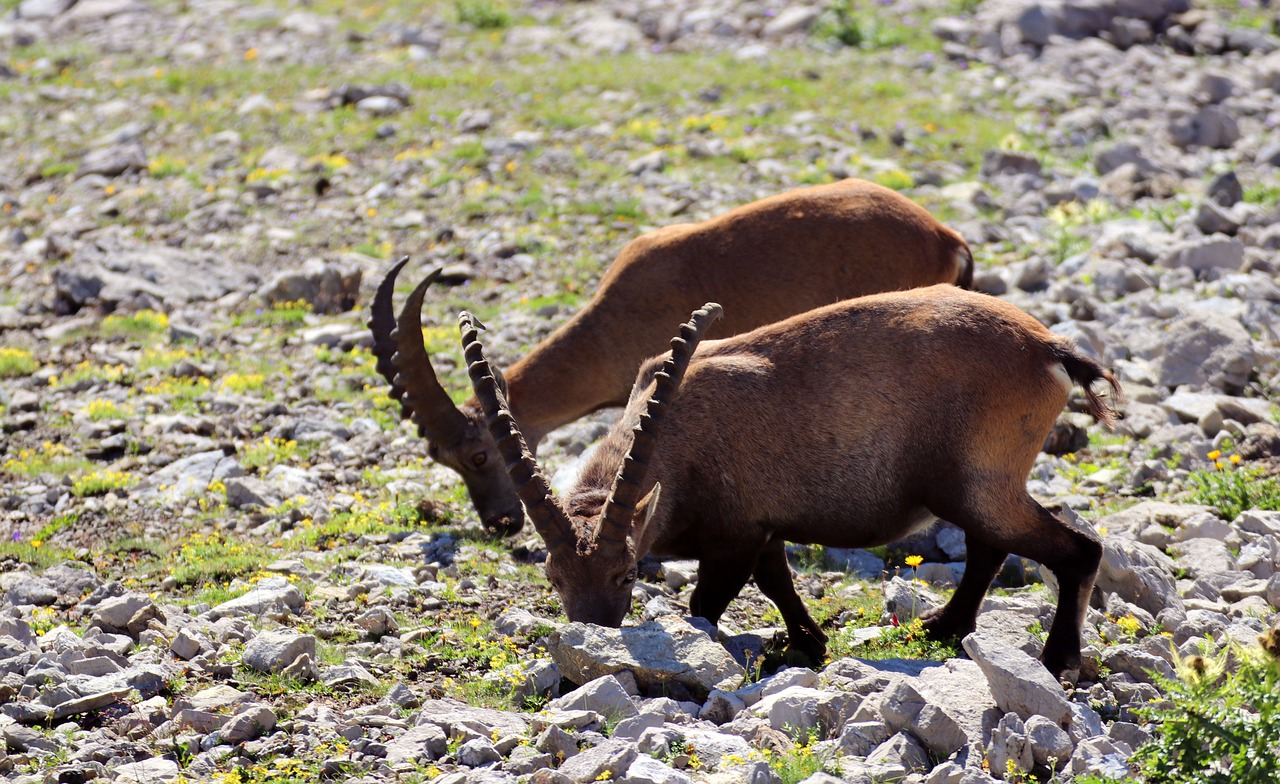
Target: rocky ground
225, 558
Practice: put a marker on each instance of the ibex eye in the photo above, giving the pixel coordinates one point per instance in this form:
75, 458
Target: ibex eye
478, 459
631, 576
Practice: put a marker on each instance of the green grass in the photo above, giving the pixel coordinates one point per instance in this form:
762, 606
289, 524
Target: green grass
1232, 490
17, 362
101, 483
136, 326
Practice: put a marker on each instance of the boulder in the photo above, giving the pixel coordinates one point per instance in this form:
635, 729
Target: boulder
1019, 683
662, 651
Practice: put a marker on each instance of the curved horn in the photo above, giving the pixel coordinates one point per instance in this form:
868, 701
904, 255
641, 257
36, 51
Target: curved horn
615, 523
535, 492
382, 322
414, 382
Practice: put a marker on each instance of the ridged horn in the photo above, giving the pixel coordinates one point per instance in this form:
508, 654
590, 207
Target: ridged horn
533, 488
413, 380
382, 322
615, 522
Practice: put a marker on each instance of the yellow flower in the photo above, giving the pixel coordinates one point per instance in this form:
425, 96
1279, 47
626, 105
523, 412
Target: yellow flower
1235, 459
1217, 464
915, 560
37, 543
475, 623
251, 54
1215, 454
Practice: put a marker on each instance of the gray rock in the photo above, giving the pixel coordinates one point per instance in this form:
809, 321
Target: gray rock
477, 753
1139, 574
1214, 252
272, 651
327, 287
42, 9
190, 476
1207, 126
128, 614
24, 589
248, 491
251, 723
647, 770
1019, 683
658, 652
188, 644
1102, 757
801, 709
114, 160
1051, 746
859, 563
958, 710
274, 596
377, 622
611, 758
423, 743
347, 676
900, 753
217, 698
792, 19
156, 770
1205, 351
604, 695
1010, 747
908, 599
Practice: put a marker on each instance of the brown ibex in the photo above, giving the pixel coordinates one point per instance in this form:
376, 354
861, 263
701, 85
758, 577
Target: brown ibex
764, 261
849, 426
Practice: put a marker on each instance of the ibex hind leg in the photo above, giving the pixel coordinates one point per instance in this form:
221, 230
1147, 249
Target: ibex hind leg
960, 615
1021, 526
773, 578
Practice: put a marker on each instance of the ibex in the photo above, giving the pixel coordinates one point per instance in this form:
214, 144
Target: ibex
764, 261
852, 425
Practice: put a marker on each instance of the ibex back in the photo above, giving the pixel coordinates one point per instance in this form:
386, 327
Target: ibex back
849, 426
764, 261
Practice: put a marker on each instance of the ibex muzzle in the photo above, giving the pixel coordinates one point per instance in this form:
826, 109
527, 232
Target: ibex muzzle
849, 426
765, 261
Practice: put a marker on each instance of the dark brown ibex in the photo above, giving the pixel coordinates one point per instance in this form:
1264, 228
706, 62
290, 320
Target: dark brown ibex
764, 261
850, 426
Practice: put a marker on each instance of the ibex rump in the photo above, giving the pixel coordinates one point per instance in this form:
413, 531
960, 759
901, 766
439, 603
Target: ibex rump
763, 261
849, 426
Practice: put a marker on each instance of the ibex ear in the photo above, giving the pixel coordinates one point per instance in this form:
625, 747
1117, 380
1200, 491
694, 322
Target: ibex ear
644, 511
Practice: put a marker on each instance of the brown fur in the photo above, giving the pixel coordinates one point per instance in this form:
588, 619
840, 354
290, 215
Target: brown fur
764, 261
850, 426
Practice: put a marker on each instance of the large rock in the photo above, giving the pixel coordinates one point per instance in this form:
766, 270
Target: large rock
659, 652
1033, 22
1205, 253
1206, 351
423, 743
189, 476
129, 614
273, 650
114, 277
1138, 573
271, 596
800, 709
156, 770
326, 287
605, 696
1019, 683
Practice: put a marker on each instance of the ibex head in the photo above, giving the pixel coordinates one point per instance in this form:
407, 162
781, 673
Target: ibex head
457, 437
593, 543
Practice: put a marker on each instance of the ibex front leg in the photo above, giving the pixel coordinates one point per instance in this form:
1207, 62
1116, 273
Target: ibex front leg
773, 577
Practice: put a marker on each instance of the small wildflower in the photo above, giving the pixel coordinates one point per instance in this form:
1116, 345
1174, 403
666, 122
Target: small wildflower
914, 560
251, 54
1235, 459
1215, 454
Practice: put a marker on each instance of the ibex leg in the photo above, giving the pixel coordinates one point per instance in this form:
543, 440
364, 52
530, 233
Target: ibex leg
773, 577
